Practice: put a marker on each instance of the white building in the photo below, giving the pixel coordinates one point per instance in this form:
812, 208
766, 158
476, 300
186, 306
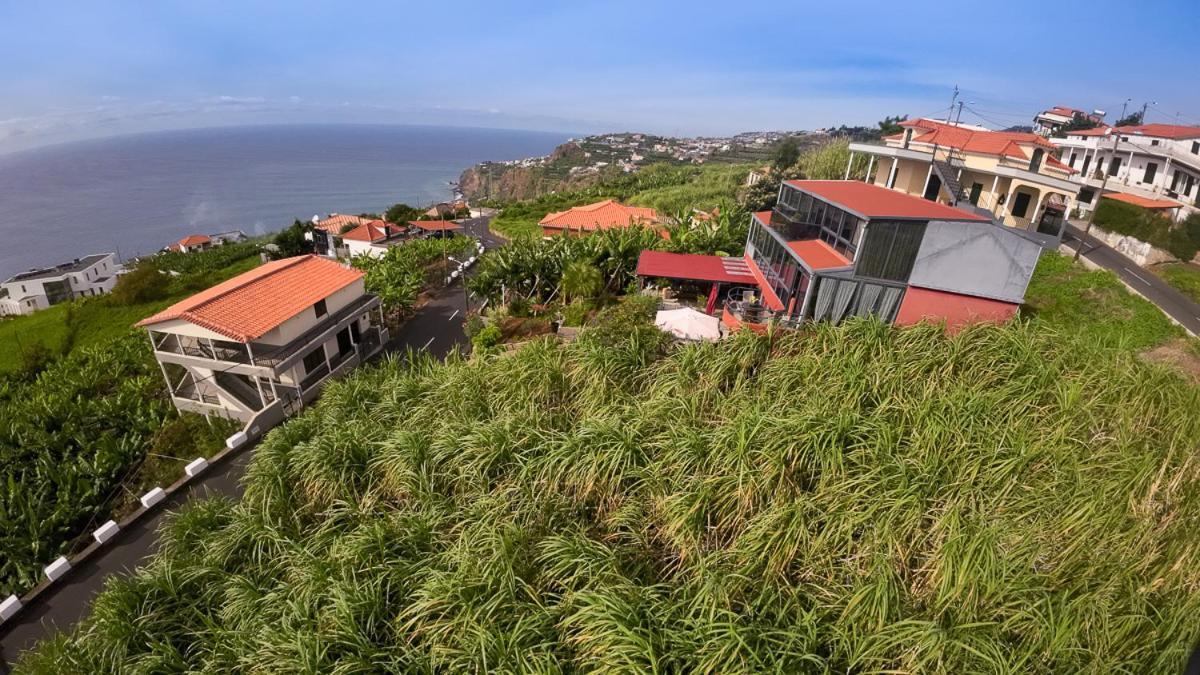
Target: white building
1152, 161
30, 291
1049, 122
373, 238
262, 344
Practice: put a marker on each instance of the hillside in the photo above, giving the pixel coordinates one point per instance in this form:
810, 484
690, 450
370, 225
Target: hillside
858, 499
582, 163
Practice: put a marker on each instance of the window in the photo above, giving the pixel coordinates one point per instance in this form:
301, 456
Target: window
1154, 142
1086, 196
314, 359
976, 190
1086, 161
1074, 156
1035, 162
320, 309
889, 249
1151, 169
1114, 166
1020, 205
1196, 147
1176, 179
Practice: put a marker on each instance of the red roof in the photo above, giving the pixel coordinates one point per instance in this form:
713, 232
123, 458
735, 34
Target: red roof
195, 240
336, 222
1144, 202
436, 225
1101, 130
694, 267
957, 310
251, 304
372, 231
599, 216
980, 141
818, 255
874, 201
1175, 132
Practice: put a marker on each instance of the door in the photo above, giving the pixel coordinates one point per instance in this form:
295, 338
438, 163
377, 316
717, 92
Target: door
343, 340
931, 190
976, 190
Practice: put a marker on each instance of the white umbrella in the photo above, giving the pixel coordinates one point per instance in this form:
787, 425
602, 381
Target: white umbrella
688, 324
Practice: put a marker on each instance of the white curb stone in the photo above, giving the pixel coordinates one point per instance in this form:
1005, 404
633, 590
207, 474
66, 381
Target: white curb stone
106, 531
236, 441
10, 607
196, 466
57, 568
153, 497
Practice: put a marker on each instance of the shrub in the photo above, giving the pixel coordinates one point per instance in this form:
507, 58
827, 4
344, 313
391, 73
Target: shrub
487, 338
146, 283
1181, 240
851, 499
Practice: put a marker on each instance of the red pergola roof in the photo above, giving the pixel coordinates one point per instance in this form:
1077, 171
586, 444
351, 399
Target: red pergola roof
874, 201
693, 267
1144, 202
435, 225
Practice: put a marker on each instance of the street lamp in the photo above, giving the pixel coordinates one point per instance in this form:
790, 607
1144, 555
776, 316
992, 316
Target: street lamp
462, 267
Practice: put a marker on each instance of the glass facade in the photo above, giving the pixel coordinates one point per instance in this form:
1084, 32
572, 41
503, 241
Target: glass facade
816, 219
889, 249
783, 273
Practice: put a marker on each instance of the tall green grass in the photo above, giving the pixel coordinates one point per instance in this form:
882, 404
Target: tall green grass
854, 499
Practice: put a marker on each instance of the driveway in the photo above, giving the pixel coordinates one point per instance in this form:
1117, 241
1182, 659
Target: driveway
1173, 303
436, 327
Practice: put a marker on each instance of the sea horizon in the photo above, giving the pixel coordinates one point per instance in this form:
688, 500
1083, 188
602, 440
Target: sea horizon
136, 193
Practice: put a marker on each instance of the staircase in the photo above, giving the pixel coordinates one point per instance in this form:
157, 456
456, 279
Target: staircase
239, 389
948, 175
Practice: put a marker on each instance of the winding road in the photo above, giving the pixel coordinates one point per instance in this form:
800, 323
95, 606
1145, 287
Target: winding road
437, 328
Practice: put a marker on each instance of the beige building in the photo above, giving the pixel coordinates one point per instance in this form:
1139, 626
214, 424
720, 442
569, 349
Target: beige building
1012, 177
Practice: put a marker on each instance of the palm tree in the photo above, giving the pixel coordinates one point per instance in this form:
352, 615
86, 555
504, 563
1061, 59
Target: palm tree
581, 280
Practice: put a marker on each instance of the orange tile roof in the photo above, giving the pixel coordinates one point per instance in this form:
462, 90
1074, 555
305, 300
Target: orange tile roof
251, 304
372, 231
818, 255
1101, 130
600, 216
1144, 202
436, 225
1175, 132
337, 222
875, 201
981, 141
195, 240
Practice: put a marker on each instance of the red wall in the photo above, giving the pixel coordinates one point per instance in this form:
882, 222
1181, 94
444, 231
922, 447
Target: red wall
956, 310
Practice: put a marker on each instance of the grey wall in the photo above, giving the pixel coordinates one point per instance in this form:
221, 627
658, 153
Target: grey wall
980, 259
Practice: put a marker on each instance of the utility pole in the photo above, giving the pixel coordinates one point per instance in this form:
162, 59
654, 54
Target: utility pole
953, 98
1099, 195
1123, 107
958, 117
1144, 106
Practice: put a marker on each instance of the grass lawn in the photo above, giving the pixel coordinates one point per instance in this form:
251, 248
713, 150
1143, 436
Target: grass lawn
1094, 305
95, 320
1184, 277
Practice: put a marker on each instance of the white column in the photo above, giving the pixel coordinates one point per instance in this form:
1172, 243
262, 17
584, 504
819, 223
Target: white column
927, 176
1012, 189
848, 165
995, 182
1163, 181
1037, 207
891, 179
870, 168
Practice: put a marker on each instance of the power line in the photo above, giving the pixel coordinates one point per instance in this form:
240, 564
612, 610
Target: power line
985, 119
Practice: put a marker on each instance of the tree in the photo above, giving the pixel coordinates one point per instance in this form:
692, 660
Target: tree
1130, 120
402, 213
889, 126
581, 280
786, 154
291, 241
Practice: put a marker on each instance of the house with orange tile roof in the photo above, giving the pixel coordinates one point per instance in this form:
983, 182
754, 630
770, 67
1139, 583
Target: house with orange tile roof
1049, 122
1154, 162
261, 345
373, 238
327, 232
1013, 177
603, 215
192, 243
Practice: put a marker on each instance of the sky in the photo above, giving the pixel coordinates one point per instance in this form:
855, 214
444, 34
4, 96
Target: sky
94, 68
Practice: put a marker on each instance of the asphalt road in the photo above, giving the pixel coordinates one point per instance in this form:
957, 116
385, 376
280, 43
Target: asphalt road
1175, 304
436, 327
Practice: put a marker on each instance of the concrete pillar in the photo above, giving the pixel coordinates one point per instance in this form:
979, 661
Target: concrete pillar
1012, 188
1033, 217
928, 174
848, 165
891, 179
992, 196
870, 168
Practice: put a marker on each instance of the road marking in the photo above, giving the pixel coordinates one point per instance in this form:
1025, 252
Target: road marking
453, 315
1136, 276
426, 346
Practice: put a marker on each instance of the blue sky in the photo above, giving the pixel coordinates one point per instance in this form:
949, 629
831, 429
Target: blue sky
100, 67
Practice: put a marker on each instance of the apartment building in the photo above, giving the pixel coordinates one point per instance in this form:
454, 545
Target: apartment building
37, 289
1159, 162
1012, 177
1050, 122
261, 345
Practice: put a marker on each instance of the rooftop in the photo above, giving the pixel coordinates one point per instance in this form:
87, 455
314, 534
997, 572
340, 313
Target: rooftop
599, 216
874, 201
77, 265
1144, 202
336, 222
718, 269
251, 304
435, 225
1174, 132
195, 240
373, 231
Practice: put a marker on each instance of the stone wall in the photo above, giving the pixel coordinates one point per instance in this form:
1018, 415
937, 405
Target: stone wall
1136, 250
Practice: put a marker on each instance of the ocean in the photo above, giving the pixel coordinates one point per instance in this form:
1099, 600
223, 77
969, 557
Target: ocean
136, 194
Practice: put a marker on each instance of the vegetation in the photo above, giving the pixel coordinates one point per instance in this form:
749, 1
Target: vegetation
665, 187
1132, 119
402, 213
1182, 240
400, 275
291, 241
1094, 306
1077, 123
825, 162
854, 499
890, 126
1185, 277
73, 442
